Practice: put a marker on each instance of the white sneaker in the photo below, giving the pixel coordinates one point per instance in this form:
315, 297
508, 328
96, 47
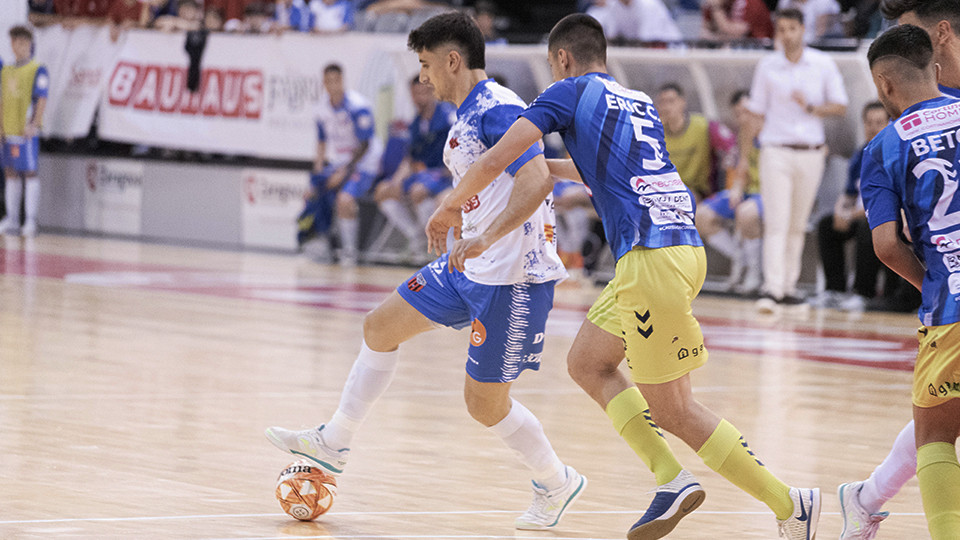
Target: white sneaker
9, 227
309, 444
858, 524
548, 506
29, 229
853, 302
802, 525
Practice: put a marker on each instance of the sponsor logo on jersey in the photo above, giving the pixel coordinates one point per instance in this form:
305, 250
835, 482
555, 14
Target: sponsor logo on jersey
549, 232
928, 120
659, 182
472, 204
946, 242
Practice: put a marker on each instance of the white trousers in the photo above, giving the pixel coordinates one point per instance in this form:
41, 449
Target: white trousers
789, 180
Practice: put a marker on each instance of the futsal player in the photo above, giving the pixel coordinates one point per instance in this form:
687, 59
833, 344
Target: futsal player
906, 169
23, 94
615, 138
505, 295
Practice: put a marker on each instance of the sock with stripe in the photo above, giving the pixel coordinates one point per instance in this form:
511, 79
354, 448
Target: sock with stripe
939, 474
631, 418
727, 453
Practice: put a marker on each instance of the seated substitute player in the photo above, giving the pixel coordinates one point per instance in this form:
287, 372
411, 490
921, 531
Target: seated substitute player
347, 162
505, 295
615, 139
421, 175
911, 168
23, 98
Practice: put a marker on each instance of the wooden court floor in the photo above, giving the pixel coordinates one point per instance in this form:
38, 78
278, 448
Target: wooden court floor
136, 381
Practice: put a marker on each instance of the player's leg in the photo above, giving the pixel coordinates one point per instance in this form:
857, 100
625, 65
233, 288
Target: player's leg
713, 214
391, 201
31, 198
507, 337
317, 214
13, 190
348, 215
936, 414
425, 194
748, 222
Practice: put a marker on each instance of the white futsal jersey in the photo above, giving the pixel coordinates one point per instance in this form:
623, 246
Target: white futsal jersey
528, 254
344, 127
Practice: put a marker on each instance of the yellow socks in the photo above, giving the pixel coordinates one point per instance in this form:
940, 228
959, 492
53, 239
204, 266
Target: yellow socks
727, 453
939, 474
631, 419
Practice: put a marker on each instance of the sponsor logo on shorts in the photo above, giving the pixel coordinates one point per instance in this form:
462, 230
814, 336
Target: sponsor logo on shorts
478, 333
695, 352
945, 389
416, 282
472, 204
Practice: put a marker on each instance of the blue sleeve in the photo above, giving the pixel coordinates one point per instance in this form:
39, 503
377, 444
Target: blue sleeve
41, 83
348, 16
553, 110
879, 197
362, 124
495, 122
321, 134
853, 173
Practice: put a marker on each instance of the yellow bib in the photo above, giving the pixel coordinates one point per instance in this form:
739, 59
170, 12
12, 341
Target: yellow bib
17, 84
690, 154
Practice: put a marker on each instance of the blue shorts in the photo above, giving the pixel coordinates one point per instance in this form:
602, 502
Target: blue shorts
21, 153
719, 202
559, 188
507, 321
435, 180
356, 185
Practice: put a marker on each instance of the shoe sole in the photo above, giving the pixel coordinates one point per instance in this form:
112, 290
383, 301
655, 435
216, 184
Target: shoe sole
659, 528
815, 514
573, 498
843, 510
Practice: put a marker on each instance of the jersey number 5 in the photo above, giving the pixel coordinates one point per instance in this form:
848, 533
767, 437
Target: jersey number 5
657, 162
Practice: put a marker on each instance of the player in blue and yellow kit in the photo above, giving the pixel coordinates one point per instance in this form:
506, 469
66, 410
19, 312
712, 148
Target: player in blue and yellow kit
615, 138
911, 168
23, 94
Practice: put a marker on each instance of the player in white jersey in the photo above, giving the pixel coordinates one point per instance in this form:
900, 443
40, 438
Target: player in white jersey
347, 162
504, 296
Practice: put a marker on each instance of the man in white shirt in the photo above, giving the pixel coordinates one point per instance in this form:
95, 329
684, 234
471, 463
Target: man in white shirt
638, 20
793, 90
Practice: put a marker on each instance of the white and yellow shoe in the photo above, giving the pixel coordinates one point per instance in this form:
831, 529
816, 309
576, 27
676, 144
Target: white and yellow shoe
548, 506
309, 443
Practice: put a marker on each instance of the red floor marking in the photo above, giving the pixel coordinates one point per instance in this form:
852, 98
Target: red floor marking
859, 348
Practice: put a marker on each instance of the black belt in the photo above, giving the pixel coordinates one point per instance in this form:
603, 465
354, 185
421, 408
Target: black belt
802, 146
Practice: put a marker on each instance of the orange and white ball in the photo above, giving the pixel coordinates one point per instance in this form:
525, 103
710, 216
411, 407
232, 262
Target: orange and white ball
305, 491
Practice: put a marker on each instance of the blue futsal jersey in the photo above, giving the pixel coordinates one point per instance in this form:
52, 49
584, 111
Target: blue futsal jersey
427, 137
912, 164
615, 138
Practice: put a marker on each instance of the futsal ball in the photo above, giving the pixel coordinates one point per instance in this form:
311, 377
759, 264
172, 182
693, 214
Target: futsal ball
305, 491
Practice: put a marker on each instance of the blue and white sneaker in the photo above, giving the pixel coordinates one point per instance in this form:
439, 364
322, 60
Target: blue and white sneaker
802, 525
673, 501
858, 523
548, 506
309, 444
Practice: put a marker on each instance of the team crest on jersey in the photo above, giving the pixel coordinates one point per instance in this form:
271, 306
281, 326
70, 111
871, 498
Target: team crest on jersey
928, 120
549, 232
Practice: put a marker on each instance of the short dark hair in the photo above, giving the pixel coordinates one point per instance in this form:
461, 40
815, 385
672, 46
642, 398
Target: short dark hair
21, 32
906, 42
789, 13
333, 68
455, 28
580, 35
928, 11
871, 106
671, 86
738, 95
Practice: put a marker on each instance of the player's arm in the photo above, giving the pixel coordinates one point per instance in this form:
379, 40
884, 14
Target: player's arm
532, 185
521, 135
897, 255
37, 121
565, 169
752, 124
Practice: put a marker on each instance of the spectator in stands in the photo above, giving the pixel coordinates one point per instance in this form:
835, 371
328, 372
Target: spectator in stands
740, 206
698, 148
42, 12
421, 176
23, 99
332, 15
379, 7
794, 89
635, 20
294, 14
73, 12
228, 9
124, 14
257, 19
821, 16
188, 17
348, 158
485, 15
728, 20
849, 222
213, 19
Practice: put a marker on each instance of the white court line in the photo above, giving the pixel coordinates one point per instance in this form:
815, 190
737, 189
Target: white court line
397, 513
393, 536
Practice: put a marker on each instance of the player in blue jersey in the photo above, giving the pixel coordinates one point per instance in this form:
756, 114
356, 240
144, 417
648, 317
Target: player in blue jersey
911, 168
505, 297
615, 139
861, 501
421, 176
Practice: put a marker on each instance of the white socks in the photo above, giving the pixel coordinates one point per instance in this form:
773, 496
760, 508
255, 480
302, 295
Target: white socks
725, 243
349, 235
522, 432
424, 210
31, 202
398, 215
12, 194
897, 468
369, 378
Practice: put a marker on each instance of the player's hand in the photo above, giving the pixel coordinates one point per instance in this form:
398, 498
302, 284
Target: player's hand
337, 178
441, 221
466, 248
799, 98
30, 130
841, 221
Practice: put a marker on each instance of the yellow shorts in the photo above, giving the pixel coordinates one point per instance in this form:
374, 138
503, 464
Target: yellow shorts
647, 303
936, 377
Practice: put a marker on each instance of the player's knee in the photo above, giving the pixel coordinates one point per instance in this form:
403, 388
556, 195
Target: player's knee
708, 222
383, 192
488, 409
419, 193
346, 206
